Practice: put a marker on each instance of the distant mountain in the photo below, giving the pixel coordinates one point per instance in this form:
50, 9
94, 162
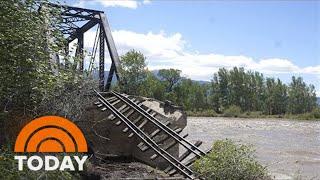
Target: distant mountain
201, 82
96, 74
106, 73
155, 72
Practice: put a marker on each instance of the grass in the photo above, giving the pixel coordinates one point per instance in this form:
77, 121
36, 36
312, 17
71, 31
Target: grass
202, 113
234, 111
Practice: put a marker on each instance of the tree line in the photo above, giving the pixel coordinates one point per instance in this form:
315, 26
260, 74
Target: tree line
248, 90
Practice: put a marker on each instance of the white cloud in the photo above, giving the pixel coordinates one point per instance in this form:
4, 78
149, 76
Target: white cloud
121, 3
146, 2
168, 51
160, 46
312, 70
276, 65
132, 4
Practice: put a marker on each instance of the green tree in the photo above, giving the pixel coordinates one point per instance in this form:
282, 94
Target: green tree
152, 87
246, 90
276, 96
134, 72
184, 91
224, 91
24, 54
239, 88
301, 97
199, 96
258, 94
191, 95
215, 96
170, 77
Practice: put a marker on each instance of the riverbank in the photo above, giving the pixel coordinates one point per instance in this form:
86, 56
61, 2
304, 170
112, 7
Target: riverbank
314, 115
289, 148
125, 170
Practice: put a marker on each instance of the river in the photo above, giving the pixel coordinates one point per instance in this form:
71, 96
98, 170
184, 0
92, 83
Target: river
289, 148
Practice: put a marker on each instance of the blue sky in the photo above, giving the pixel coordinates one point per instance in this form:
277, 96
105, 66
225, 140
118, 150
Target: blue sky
278, 38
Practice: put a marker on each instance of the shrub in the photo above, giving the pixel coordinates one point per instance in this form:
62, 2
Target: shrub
209, 112
32, 85
228, 160
69, 99
9, 169
232, 111
252, 114
255, 114
316, 113
202, 113
313, 115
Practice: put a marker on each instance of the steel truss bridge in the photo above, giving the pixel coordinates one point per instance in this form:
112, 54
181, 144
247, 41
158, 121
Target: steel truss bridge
75, 22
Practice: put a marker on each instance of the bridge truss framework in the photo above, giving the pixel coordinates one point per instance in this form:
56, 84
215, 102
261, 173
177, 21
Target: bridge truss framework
69, 26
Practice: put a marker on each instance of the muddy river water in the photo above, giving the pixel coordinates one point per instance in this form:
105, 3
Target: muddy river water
290, 149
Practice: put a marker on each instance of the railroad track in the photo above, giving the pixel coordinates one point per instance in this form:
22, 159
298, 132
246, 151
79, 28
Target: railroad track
160, 140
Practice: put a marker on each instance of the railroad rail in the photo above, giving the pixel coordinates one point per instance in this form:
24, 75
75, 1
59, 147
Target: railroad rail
121, 110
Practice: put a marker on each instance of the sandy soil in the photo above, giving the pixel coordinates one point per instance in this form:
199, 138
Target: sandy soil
123, 170
290, 149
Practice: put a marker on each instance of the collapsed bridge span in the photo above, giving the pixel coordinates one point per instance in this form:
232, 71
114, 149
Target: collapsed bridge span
123, 125
130, 128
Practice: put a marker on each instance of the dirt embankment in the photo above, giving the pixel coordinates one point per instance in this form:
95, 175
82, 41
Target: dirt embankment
124, 170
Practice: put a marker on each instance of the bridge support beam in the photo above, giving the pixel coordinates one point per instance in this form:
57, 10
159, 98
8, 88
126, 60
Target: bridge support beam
66, 61
81, 55
101, 59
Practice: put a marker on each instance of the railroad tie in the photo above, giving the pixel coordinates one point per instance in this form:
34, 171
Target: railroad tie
183, 156
154, 133
170, 145
158, 140
128, 115
188, 152
142, 123
115, 102
98, 102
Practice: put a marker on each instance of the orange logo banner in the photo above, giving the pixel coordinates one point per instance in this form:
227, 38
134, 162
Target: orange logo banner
51, 134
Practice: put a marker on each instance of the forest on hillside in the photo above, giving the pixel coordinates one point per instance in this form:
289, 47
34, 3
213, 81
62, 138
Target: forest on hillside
231, 91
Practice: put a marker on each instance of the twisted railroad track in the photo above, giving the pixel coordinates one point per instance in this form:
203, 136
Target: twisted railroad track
122, 108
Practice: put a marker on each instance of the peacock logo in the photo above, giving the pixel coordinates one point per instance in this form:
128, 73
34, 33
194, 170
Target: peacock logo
50, 134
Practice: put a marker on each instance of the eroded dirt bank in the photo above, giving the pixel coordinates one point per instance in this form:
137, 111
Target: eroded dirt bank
290, 149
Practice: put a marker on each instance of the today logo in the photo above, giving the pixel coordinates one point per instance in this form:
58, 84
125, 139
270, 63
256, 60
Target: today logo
50, 134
